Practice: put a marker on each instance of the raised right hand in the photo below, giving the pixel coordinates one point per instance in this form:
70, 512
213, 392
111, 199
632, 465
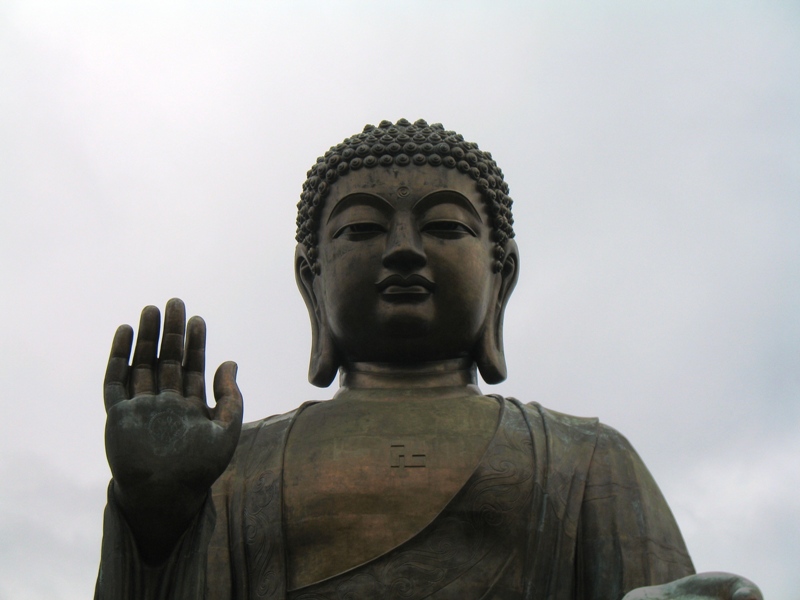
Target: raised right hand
165, 446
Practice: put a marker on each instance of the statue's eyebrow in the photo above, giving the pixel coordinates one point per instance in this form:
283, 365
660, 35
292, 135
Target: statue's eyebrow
443, 196
362, 198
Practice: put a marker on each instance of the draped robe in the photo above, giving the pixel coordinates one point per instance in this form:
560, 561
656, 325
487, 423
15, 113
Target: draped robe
558, 508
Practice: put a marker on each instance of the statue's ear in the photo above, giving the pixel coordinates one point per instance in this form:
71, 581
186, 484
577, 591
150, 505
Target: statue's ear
489, 355
324, 362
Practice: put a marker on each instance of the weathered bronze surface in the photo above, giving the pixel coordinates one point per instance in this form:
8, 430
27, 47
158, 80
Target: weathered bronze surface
352, 492
409, 483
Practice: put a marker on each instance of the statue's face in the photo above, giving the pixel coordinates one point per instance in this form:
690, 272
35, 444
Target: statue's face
405, 259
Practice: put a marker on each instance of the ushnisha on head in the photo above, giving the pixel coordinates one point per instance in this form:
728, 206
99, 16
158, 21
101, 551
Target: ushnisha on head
405, 256
404, 144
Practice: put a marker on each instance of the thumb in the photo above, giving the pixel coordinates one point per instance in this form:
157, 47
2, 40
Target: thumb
228, 410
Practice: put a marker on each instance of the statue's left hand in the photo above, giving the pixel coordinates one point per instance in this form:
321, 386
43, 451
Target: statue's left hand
703, 586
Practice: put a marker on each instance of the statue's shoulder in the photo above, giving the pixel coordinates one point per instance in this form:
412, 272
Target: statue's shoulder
559, 423
586, 437
274, 426
604, 434
560, 417
612, 458
270, 421
261, 442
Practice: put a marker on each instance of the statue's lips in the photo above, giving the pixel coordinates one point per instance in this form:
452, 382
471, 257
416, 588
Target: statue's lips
399, 288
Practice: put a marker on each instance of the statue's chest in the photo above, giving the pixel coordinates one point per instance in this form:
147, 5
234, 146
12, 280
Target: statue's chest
361, 478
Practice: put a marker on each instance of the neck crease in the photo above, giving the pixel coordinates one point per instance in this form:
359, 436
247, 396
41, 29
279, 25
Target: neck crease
457, 374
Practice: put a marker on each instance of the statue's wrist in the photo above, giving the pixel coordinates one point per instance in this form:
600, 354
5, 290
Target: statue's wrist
157, 521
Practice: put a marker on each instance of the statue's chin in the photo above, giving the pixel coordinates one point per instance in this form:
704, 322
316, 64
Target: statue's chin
406, 321
405, 332
407, 329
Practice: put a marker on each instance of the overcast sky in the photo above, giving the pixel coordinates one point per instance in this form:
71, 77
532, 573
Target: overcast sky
157, 149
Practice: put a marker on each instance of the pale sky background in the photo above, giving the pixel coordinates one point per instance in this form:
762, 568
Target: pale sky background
157, 149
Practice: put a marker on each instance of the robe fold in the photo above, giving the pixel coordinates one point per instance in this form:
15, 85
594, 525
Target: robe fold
558, 508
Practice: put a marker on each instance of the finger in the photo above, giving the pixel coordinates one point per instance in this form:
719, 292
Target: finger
170, 359
194, 361
747, 590
143, 379
228, 410
116, 380
747, 593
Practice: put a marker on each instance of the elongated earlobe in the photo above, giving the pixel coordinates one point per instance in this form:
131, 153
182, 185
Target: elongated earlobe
489, 353
324, 363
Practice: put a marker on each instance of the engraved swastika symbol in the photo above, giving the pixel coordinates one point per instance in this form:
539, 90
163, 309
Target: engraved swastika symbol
402, 456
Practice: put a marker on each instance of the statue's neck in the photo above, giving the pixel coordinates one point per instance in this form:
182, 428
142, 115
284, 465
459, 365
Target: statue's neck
446, 377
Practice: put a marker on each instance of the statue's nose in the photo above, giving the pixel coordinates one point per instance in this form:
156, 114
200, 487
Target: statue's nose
404, 251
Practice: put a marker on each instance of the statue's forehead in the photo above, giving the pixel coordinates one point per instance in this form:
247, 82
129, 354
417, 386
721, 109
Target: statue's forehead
400, 182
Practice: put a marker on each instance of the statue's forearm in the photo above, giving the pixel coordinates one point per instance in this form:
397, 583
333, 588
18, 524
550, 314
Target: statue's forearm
157, 520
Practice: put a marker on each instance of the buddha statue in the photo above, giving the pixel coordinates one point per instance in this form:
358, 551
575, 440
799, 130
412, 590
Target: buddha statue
410, 482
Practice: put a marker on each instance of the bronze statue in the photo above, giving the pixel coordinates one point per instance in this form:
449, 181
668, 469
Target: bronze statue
409, 483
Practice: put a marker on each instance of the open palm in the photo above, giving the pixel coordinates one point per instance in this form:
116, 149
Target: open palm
165, 445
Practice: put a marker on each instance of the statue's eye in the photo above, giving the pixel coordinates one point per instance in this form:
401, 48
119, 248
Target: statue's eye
360, 231
447, 229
